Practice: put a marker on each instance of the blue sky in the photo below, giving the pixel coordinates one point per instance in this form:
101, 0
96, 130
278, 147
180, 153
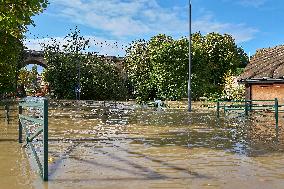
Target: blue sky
253, 23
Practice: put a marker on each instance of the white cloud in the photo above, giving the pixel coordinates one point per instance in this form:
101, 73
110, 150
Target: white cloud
35, 44
100, 45
107, 47
123, 18
131, 18
252, 3
248, 3
127, 19
241, 32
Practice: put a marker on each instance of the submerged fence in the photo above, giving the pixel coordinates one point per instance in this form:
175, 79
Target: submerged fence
250, 105
33, 119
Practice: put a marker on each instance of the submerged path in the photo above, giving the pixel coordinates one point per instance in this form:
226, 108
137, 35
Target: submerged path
15, 170
94, 147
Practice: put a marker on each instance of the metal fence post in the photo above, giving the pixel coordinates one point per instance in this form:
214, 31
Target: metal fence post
20, 126
246, 108
45, 140
276, 113
218, 109
250, 105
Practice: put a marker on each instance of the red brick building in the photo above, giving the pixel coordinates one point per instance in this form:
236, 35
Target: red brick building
264, 75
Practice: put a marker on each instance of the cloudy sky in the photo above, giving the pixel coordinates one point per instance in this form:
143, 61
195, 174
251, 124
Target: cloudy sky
115, 23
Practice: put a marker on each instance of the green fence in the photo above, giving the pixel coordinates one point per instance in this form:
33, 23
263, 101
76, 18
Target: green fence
34, 111
250, 105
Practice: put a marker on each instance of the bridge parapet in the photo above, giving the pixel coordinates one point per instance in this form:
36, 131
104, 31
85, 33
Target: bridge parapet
37, 57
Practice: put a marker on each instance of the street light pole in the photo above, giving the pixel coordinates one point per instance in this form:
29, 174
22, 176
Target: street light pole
189, 61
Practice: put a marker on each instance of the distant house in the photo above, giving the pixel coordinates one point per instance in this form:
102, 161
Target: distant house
264, 75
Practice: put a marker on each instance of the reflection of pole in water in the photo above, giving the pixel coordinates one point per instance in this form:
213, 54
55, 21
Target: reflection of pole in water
277, 135
7, 119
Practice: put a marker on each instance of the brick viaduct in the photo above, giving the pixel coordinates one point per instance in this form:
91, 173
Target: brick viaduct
37, 57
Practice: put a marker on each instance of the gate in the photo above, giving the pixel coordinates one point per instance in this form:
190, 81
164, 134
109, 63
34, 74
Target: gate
33, 120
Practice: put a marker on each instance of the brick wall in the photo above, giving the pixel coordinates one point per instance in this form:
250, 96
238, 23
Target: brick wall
268, 92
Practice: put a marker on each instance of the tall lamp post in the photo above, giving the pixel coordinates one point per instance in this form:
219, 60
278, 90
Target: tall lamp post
189, 61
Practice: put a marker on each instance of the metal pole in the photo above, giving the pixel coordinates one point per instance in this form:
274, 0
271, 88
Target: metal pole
20, 126
276, 113
246, 108
250, 105
189, 61
218, 109
45, 140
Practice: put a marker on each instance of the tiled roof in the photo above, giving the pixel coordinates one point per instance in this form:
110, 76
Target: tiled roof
266, 63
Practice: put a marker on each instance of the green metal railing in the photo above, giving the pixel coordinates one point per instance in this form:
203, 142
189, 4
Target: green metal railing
250, 105
41, 123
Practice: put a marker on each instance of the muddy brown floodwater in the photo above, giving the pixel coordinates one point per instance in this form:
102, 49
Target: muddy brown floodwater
126, 147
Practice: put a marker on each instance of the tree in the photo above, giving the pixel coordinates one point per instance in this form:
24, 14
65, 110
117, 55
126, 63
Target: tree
158, 68
213, 56
10, 56
200, 77
63, 63
170, 72
139, 70
27, 81
15, 16
222, 55
99, 79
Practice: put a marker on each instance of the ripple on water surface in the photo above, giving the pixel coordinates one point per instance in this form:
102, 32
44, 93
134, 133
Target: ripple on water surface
94, 146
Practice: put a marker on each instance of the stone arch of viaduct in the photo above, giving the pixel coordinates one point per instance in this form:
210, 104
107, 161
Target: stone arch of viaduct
37, 57
34, 57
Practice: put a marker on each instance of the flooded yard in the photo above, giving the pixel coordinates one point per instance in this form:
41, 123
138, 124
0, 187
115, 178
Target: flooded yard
129, 147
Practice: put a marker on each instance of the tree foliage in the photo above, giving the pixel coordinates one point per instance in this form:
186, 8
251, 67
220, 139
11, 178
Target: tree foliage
10, 56
155, 70
99, 79
213, 55
15, 16
232, 90
158, 68
27, 81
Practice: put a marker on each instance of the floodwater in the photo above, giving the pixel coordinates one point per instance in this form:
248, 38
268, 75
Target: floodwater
94, 146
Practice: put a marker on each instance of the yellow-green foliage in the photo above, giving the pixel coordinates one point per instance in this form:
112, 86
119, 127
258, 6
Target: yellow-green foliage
15, 16
232, 90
